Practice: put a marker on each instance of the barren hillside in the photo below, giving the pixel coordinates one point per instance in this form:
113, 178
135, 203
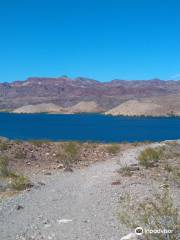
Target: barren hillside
157, 106
86, 107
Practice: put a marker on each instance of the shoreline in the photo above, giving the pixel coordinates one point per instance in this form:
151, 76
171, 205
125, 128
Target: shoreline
91, 113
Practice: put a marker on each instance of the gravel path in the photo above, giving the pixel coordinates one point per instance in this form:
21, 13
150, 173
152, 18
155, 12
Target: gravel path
78, 205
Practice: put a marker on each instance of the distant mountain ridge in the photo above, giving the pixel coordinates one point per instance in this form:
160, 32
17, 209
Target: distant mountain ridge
66, 92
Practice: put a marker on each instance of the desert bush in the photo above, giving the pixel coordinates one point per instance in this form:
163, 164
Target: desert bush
19, 182
125, 171
149, 156
158, 212
4, 162
3, 145
69, 153
113, 148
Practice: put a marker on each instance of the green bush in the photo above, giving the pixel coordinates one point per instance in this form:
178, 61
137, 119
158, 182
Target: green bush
149, 156
19, 182
113, 148
69, 153
4, 162
158, 212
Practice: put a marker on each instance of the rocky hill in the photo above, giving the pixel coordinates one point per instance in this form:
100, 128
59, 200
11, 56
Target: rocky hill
65, 92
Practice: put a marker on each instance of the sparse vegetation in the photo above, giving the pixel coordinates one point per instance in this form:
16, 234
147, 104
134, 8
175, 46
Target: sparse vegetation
19, 182
150, 156
3, 145
4, 162
158, 212
69, 153
113, 148
125, 171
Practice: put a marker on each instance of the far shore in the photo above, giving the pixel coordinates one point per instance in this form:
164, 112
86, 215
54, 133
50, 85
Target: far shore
90, 113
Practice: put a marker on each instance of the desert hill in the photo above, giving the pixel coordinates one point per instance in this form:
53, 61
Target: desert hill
39, 108
83, 106
157, 106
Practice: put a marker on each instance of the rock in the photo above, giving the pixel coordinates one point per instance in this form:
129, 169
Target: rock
47, 173
116, 183
41, 183
133, 167
68, 169
130, 236
59, 166
19, 207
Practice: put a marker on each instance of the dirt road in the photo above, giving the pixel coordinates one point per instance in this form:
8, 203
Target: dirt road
78, 205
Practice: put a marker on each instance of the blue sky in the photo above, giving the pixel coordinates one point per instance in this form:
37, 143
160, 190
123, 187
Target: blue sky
100, 39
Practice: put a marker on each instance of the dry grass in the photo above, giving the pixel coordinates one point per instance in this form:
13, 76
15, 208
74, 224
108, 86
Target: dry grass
4, 145
157, 212
19, 182
69, 153
148, 157
4, 162
125, 171
113, 148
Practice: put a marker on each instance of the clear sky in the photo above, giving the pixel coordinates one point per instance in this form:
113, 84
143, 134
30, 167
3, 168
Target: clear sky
100, 39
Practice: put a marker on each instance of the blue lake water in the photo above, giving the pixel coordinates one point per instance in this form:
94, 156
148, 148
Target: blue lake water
88, 127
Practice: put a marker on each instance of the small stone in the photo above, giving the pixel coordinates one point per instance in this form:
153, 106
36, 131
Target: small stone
41, 183
47, 173
59, 166
19, 207
68, 169
116, 183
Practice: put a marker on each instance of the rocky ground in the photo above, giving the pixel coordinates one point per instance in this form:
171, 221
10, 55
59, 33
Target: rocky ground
37, 156
83, 204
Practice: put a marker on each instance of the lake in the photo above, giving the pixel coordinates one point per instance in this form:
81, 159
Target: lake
88, 127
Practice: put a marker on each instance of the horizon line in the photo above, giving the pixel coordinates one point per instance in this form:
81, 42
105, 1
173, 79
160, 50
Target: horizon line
87, 78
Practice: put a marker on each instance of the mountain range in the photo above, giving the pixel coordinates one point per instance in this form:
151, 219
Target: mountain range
68, 95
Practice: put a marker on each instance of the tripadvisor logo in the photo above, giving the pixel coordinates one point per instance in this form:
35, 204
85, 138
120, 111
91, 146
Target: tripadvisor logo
139, 231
